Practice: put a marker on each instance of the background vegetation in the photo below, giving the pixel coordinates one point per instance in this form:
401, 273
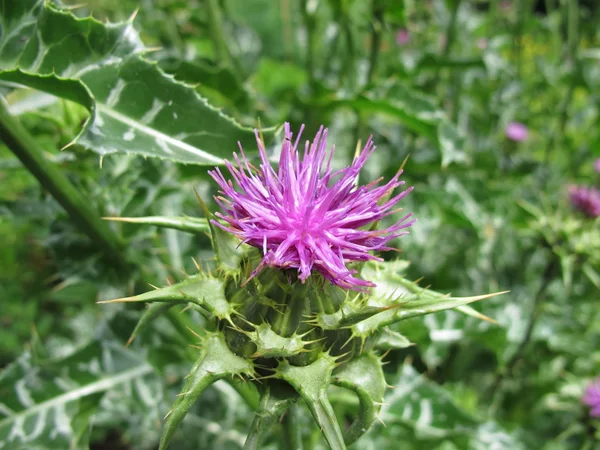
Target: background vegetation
436, 82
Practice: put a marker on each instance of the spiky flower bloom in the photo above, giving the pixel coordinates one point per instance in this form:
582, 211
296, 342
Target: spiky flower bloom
307, 216
516, 131
586, 199
591, 398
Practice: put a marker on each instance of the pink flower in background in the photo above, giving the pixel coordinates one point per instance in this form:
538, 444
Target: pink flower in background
516, 131
305, 215
402, 37
591, 398
586, 199
597, 165
482, 43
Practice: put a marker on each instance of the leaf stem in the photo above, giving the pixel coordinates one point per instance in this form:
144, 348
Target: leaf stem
31, 154
310, 24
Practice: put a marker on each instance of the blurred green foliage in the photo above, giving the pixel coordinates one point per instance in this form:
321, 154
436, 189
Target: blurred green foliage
493, 213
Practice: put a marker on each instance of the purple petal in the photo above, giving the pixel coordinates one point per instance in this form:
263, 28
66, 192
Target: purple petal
304, 216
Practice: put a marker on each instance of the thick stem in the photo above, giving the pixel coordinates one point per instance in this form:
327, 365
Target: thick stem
275, 399
292, 437
323, 413
25, 147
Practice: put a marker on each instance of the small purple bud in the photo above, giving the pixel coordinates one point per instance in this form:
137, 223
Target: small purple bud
516, 131
585, 199
597, 165
482, 43
591, 398
402, 37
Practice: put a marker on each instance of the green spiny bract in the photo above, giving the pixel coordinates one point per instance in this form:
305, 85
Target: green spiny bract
293, 340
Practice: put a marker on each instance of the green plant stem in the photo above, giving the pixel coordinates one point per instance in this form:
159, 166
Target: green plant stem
549, 273
347, 70
31, 154
376, 26
572, 20
447, 47
218, 37
292, 437
523, 12
310, 24
185, 327
451, 29
273, 403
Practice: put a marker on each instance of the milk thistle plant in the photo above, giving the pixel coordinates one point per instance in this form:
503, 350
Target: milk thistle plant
298, 302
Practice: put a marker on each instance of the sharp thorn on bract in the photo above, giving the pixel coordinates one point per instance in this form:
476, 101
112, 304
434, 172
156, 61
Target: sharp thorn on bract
133, 15
117, 300
194, 333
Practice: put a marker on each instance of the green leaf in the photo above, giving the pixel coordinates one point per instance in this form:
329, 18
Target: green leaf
271, 345
451, 144
311, 383
202, 290
228, 248
207, 75
276, 398
415, 110
364, 376
49, 405
188, 224
401, 298
134, 106
388, 338
426, 407
216, 361
154, 310
431, 61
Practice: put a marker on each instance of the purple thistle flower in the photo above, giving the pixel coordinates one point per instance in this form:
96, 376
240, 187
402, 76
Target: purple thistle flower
306, 216
591, 398
585, 199
516, 131
402, 37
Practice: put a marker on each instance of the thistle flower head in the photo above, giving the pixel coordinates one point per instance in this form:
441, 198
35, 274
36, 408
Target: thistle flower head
516, 131
591, 398
305, 215
402, 37
586, 199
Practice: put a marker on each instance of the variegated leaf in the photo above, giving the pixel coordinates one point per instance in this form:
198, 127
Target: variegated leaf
134, 106
49, 405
